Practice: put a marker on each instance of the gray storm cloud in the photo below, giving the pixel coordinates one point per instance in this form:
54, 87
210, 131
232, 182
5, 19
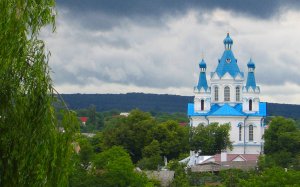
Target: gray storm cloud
123, 46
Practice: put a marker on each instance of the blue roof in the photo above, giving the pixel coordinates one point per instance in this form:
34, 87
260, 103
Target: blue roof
251, 81
227, 110
202, 83
228, 63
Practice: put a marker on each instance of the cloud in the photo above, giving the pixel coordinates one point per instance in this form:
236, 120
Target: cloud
108, 14
128, 55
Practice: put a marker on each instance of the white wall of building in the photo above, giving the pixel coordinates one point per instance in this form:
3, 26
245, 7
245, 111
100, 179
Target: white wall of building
243, 145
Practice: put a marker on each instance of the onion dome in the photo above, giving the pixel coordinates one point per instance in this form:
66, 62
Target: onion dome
251, 64
202, 64
228, 42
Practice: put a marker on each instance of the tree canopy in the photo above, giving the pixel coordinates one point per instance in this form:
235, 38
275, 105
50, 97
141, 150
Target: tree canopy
139, 129
35, 148
210, 139
282, 143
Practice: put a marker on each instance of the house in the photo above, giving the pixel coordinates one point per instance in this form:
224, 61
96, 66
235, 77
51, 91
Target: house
223, 161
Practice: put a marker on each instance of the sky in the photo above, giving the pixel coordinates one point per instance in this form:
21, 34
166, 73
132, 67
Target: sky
153, 46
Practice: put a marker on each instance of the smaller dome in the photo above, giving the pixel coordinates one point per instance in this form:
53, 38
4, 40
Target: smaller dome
202, 64
251, 64
228, 40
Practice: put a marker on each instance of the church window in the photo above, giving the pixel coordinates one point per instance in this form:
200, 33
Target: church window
237, 92
250, 105
226, 93
202, 104
240, 133
216, 93
250, 133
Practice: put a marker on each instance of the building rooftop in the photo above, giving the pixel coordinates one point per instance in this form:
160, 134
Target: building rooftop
227, 110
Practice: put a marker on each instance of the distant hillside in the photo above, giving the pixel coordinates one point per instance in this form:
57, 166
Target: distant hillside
155, 102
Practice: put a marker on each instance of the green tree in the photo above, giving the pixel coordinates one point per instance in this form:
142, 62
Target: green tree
282, 142
210, 139
35, 148
272, 177
232, 177
132, 133
151, 156
97, 142
115, 168
173, 138
86, 152
140, 129
180, 177
95, 120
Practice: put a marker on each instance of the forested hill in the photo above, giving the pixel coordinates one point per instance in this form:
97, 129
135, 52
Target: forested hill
155, 102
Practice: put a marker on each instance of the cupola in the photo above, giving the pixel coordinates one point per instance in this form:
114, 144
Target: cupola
202, 66
251, 65
228, 42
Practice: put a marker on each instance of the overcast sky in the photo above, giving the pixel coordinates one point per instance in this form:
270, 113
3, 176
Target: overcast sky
153, 46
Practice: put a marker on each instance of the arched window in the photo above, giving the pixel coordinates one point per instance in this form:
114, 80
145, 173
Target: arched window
216, 93
202, 104
237, 93
240, 133
250, 105
227, 93
250, 133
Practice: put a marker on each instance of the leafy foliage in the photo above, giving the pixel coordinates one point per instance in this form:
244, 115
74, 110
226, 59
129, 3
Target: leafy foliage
181, 178
95, 120
210, 139
282, 143
114, 168
273, 177
139, 129
151, 156
35, 148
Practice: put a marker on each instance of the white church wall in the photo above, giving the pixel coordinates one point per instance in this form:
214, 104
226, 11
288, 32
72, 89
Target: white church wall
221, 84
255, 102
257, 129
197, 102
196, 120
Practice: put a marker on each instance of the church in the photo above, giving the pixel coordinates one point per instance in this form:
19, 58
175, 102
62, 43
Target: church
230, 97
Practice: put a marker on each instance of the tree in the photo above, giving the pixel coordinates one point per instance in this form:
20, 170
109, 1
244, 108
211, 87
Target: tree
151, 156
115, 168
273, 177
180, 177
210, 139
132, 133
140, 129
86, 152
173, 138
97, 142
35, 148
282, 142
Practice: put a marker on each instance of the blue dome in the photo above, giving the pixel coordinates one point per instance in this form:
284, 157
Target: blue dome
228, 40
202, 64
251, 64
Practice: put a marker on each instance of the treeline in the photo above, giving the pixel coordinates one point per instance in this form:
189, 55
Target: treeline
156, 103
